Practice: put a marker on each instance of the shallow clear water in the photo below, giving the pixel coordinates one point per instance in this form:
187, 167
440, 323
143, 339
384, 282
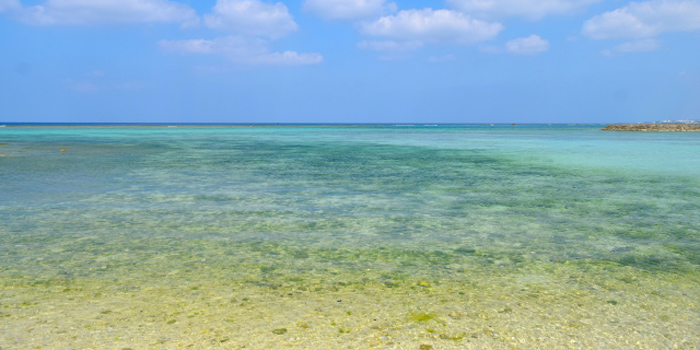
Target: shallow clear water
349, 237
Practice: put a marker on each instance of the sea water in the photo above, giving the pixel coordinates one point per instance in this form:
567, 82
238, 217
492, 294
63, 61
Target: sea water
354, 237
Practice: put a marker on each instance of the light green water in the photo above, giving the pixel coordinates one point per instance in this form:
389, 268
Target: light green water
478, 237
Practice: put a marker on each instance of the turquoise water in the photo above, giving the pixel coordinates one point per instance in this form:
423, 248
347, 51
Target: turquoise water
349, 237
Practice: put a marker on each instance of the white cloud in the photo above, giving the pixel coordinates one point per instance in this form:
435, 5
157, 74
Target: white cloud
531, 45
432, 26
438, 59
251, 17
231, 46
75, 12
390, 45
643, 45
288, 58
530, 9
348, 9
8, 5
645, 19
241, 50
639, 46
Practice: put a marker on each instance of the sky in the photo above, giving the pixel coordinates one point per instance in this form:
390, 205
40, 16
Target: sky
349, 61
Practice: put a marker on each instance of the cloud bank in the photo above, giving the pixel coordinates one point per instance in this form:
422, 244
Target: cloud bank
643, 45
84, 12
8, 5
529, 9
252, 25
432, 26
240, 49
527, 46
251, 17
645, 19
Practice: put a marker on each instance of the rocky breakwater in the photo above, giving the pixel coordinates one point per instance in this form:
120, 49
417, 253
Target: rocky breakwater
654, 127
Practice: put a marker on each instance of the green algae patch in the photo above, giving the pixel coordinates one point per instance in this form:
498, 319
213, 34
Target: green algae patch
421, 317
465, 250
279, 331
453, 337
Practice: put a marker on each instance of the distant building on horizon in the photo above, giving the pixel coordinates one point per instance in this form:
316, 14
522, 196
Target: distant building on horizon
677, 121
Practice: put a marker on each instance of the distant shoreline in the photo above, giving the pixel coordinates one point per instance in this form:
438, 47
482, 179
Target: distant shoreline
654, 127
274, 125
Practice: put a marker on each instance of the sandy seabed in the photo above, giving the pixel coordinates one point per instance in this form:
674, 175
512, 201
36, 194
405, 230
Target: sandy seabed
557, 307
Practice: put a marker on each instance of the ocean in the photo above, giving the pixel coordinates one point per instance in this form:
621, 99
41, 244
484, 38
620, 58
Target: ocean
348, 237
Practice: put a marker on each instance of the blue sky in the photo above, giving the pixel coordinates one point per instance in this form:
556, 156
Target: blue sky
352, 61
